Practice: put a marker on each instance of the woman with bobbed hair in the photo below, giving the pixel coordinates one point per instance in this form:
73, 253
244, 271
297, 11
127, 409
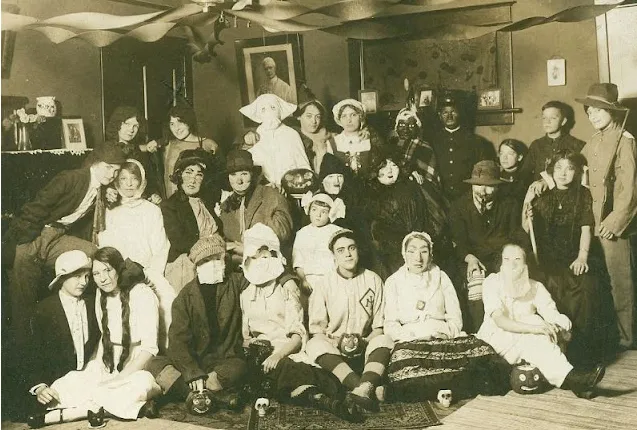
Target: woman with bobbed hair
181, 132
127, 315
358, 143
189, 214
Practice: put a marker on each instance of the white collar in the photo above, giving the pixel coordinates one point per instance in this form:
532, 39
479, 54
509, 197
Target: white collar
452, 130
95, 183
69, 300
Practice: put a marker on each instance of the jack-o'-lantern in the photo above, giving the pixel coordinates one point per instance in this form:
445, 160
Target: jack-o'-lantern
199, 402
297, 182
527, 379
351, 345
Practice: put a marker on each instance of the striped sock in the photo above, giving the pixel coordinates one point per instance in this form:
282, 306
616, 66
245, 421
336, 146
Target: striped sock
338, 366
375, 366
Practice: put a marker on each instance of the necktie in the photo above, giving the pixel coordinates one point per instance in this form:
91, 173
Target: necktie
78, 334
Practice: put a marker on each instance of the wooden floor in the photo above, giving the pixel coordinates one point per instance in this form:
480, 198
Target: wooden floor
614, 408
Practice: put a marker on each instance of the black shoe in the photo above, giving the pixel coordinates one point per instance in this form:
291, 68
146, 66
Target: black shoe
228, 399
582, 382
366, 403
348, 411
149, 410
96, 420
36, 421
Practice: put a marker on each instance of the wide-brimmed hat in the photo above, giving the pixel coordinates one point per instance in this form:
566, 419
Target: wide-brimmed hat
109, 152
239, 160
68, 263
602, 96
253, 110
485, 172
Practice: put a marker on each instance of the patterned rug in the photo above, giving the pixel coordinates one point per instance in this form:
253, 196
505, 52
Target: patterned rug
221, 419
397, 416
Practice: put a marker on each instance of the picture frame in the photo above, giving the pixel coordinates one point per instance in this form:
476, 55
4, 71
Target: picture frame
73, 133
556, 72
369, 99
425, 98
257, 74
490, 99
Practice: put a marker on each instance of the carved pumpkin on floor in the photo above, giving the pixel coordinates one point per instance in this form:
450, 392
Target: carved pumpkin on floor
299, 181
527, 379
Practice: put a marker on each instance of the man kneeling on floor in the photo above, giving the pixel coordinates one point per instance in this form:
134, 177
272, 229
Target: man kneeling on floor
346, 325
204, 363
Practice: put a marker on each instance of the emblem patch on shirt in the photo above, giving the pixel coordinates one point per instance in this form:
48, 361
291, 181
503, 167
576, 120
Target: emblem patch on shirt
367, 301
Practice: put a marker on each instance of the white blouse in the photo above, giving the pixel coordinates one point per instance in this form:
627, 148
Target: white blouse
419, 306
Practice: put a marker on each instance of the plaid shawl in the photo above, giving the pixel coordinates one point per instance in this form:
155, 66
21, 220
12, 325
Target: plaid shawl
426, 161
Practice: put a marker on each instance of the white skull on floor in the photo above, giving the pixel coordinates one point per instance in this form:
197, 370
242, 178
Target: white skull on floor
445, 398
261, 405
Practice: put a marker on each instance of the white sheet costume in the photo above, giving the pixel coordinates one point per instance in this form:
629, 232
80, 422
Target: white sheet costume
136, 229
85, 390
532, 305
280, 148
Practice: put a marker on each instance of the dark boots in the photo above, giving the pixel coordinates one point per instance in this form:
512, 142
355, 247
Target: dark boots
582, 382
343, 409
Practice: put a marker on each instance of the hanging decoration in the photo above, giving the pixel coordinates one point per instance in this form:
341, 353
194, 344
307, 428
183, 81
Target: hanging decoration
353, 19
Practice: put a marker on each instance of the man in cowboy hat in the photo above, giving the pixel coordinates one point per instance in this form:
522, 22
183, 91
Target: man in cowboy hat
481, 224
457, 148
612, 177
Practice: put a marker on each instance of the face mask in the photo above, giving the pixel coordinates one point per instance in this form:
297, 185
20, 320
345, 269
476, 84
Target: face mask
211, 272
262, 270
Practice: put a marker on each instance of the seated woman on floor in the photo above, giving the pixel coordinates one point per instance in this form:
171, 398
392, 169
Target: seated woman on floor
422, 315
135, 227
273, 322
189, 215
114, 380
521, 322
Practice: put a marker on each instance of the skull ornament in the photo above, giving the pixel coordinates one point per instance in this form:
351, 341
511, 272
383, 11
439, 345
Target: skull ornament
445, 397
45, 106
261, 405
527, 379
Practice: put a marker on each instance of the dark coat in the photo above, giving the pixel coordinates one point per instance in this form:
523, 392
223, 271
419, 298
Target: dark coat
180, 223
189, 334
59, 198
52, 354
542, 150
485, 235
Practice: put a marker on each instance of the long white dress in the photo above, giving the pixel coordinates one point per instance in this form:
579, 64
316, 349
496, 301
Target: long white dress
534, 307
136, 229
83, 389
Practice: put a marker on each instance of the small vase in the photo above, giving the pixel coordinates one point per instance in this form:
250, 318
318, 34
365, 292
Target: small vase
22, 138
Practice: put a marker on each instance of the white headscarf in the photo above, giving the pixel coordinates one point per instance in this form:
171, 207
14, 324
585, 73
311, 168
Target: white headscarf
404, 114
253, 110
142, 184
261, 270
418, 235
337, 206
336, 110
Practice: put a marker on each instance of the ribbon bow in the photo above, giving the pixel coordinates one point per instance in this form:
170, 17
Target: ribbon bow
337, 206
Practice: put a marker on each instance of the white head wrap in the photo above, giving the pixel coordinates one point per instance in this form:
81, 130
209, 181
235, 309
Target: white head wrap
406, 113
253, 110
142, 182
417, 235
337, 206
336, 110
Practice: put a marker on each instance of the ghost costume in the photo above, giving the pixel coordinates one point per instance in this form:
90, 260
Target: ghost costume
136, 229
530, 304
280, 148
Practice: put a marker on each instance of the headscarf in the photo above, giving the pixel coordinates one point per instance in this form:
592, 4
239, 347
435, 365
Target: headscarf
358, 106
261, 270
142, 184
404, 114
417, 235
337, 207
253, 110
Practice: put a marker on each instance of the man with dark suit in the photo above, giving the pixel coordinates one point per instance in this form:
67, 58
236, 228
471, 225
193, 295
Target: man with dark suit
457, 149
60, 218
64, 331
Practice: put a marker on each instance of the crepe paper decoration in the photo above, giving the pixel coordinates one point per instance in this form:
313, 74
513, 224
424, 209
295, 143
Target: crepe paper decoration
97, 21
148, 33
13, 21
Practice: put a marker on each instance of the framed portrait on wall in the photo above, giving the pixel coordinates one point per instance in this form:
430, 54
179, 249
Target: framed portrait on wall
490, 99
369, 99
73, 132
270, 65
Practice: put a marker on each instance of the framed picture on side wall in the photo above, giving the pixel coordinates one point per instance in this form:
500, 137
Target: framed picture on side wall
270, 65
73, 132
369, 99
490, 99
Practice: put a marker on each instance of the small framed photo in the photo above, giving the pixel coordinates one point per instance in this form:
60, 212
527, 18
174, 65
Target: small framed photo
556, 72
426, 98
73, 132
369, 99
490, 99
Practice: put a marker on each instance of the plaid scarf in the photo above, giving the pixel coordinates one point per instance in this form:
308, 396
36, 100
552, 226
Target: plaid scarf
426, 161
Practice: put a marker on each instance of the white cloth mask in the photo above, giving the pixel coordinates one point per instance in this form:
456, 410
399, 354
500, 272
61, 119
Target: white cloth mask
262, 270
211, 272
